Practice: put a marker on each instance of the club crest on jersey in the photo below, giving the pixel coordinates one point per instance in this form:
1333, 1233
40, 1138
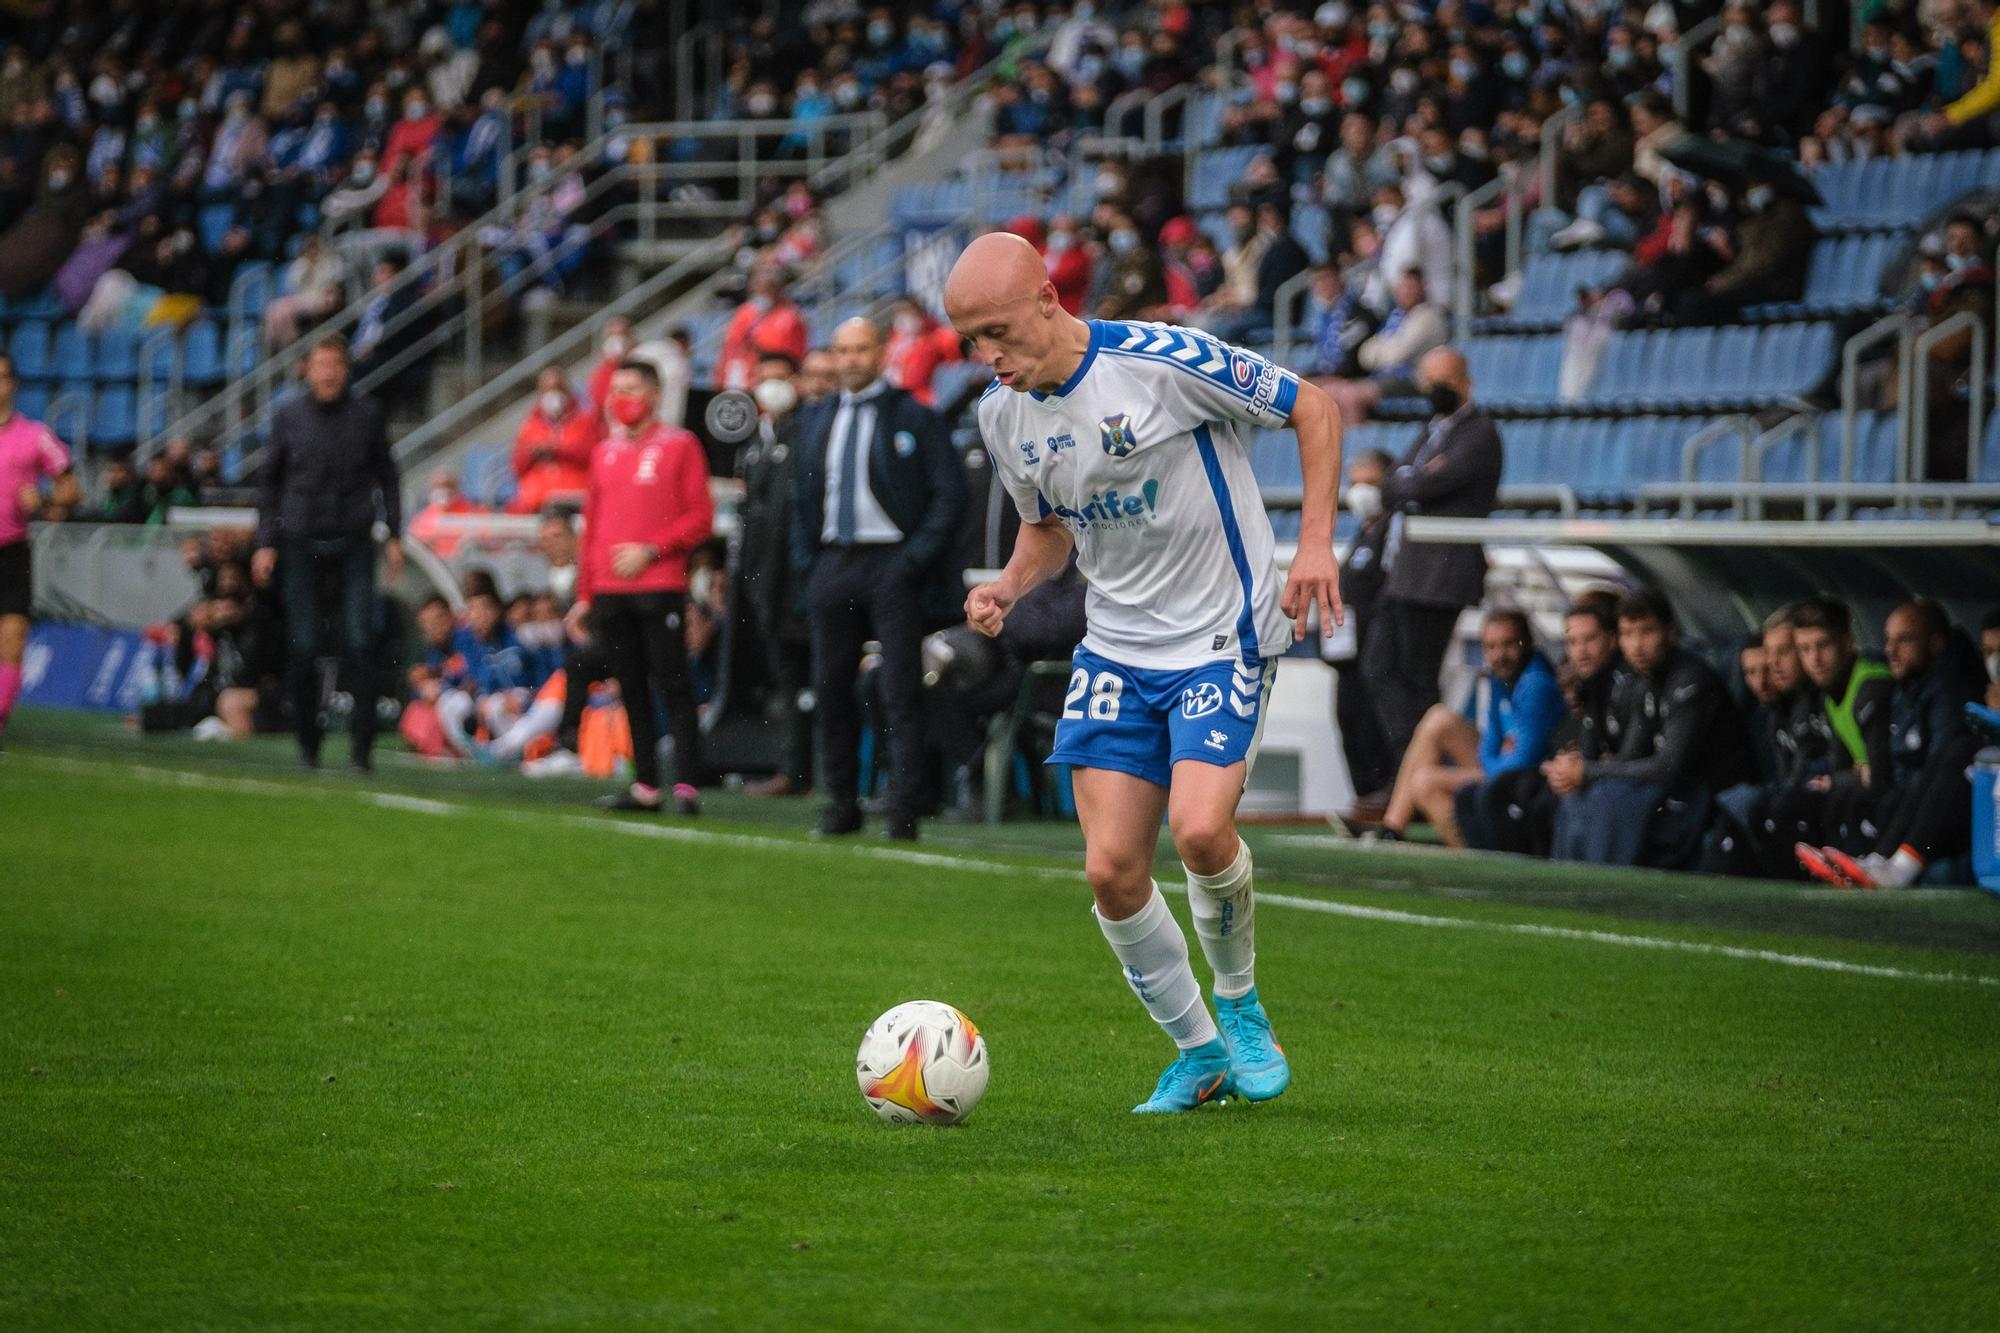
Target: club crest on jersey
1115, 434
1242, 370
1201, 700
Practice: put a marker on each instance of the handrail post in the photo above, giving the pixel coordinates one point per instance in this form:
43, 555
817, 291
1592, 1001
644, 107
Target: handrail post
1464, 284
1893, 325
1682, 61
1912, 461
1552, 132
1511, 173
475, 315
1284, 318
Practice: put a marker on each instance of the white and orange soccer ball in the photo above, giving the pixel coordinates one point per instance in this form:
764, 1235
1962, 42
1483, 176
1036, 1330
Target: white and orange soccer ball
923, 1061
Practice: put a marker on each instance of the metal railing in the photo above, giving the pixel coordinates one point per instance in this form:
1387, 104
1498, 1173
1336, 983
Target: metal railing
436, 433
1945, 497
1682, 60
1741, 428
454, 304
1551, 148
1911, 460
1902, 329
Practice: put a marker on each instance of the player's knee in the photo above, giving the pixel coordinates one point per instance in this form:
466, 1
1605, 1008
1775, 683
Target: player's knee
1206, 842
1437, 718
1120, 884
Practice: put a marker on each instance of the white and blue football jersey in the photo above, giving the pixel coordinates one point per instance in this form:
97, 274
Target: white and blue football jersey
1139, 455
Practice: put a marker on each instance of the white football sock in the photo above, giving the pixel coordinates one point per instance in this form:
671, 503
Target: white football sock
455, 709
541, 719
1154, 953
1903, 869
1224, 918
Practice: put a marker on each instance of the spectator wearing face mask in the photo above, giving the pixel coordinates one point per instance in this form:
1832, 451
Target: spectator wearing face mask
1773, 248
1136, 285
357, 195
767, 321
414, 133
612, 349
1238, 291
1070, 263
917, 346
240, 142
1361, 579
1955, 277
770, 588
552, 448
441, 497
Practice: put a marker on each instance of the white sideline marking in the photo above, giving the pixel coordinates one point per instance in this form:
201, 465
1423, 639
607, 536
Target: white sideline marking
415, 804
906, 856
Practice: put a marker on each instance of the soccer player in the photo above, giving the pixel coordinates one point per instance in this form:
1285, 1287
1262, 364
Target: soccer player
29, 451
1120, 441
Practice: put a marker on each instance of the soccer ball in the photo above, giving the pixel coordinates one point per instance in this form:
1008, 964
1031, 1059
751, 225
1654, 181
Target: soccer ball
922, 1061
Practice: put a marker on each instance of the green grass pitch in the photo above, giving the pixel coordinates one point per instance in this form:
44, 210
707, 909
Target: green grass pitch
288, 1052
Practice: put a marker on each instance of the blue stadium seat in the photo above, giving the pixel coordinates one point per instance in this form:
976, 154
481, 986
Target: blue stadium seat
1215, 170
32, 400
201, 354
1274, 460
114, 418
117, 356
29, 348
1987, 465
43, 304
212, 223
1309, 225
71, 354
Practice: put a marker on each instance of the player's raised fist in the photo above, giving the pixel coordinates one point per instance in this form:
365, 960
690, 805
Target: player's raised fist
986, 608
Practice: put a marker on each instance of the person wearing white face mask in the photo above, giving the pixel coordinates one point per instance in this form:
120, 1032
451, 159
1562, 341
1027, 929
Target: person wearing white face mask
552, 448
413, 134
917, 346
1361, 577
768, 583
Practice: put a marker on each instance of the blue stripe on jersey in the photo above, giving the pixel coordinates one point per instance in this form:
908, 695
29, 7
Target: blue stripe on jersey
1204, 358
1232, 537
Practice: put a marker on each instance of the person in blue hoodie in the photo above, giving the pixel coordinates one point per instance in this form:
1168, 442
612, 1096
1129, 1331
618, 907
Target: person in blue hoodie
486, 662
1506, 726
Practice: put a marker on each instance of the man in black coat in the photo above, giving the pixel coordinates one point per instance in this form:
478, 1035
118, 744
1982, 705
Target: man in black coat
879, 497
327, 475
771, 590
1361, 580
1452, 471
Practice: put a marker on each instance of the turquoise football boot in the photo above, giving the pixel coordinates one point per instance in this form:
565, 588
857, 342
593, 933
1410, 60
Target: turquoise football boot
1257, 1066
1199, 1075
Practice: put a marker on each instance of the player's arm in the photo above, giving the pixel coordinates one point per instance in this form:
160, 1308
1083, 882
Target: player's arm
64, 494
1315, 576
1041, 551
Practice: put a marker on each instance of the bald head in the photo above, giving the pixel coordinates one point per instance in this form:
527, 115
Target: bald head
997, 269
1000, 298
857, 353
1443, 368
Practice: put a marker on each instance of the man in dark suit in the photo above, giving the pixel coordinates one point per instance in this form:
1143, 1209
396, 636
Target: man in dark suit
879, 497
1361, 580
1452, 471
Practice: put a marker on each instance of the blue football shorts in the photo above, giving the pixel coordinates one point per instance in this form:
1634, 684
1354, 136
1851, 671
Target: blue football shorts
1143, 722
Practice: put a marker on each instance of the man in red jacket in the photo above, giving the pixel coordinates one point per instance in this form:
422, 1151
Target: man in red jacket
646, 508
552, 450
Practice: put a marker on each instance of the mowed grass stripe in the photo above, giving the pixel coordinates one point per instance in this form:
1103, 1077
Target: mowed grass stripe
326, 1064
848, 849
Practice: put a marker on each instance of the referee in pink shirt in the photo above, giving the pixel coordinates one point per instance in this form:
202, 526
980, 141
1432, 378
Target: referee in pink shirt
29, 452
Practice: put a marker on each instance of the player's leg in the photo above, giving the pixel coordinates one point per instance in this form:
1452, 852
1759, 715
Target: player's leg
1120, 814
13, 647
1443, 736
1437, 798
16, 597
662, 618
838, 631
1215, 735
299, 575
357, 607
616, 618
